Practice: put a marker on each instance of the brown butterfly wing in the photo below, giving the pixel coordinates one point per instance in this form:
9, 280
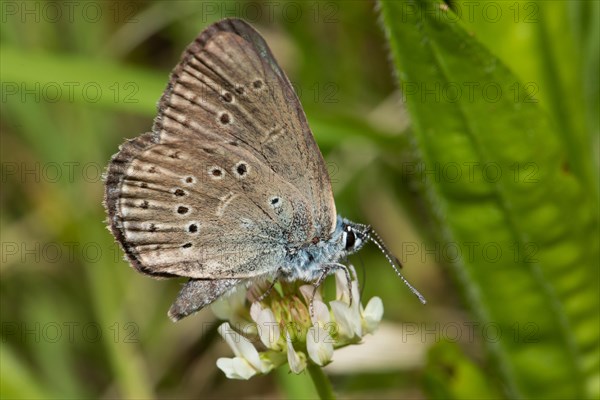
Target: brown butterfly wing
174, 216
230, 177
231, 62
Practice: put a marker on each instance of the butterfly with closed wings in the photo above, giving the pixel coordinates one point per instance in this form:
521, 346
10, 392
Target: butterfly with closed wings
229, 186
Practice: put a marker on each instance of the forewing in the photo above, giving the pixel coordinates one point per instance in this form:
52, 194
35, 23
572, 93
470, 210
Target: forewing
230, 179
228, 87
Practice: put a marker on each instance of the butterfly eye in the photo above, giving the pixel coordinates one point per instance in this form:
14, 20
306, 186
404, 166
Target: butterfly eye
350, 239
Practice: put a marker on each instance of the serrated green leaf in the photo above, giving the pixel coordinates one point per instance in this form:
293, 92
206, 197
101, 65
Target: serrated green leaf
498, 178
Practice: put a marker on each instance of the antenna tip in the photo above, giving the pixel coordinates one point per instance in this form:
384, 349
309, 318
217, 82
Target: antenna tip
398, 263
419, 295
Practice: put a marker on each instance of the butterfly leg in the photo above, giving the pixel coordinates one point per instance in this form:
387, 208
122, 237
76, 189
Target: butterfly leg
336, 266
326, 271
317, 284
268, 291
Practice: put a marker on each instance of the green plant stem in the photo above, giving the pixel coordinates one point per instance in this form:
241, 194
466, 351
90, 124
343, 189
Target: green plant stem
321, 381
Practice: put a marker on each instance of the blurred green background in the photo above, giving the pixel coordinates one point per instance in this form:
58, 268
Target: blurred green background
481, 175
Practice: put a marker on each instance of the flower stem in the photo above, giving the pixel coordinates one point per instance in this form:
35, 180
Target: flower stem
321, 381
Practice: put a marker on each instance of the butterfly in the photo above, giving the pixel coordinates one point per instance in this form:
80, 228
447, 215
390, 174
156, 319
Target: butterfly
229, 186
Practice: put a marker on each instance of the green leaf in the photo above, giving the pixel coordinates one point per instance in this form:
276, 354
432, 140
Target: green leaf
498, 178
535, 40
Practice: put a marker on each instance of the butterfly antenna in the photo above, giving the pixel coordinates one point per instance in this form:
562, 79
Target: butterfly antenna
394, 262
385, 250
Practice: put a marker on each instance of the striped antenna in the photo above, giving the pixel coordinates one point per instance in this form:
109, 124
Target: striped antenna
394, 262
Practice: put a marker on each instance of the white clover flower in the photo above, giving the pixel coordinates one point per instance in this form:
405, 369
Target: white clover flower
247, 361
286, 329
319, 345
348, 325
236, 368
371, 315
321, 315
267, 326
309, 293
296, 360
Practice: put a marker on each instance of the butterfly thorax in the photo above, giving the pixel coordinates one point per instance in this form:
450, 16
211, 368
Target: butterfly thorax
310, 262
